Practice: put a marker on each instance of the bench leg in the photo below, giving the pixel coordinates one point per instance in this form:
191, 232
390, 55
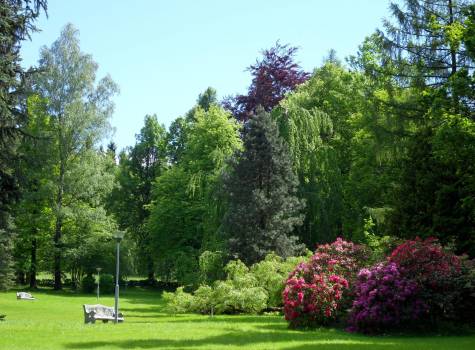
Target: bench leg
105, 321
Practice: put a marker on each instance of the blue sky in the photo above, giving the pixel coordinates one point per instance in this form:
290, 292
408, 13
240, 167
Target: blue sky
164, 53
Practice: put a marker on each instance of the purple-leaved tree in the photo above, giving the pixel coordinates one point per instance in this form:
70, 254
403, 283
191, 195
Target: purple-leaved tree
272, 77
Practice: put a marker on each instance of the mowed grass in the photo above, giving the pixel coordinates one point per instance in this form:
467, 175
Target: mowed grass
56, 321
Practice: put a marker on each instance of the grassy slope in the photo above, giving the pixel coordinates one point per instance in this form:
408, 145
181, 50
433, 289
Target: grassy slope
55, 321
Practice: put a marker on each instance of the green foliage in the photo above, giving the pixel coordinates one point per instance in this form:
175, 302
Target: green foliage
244, 290
380, 246
16, 25
186, 209
6, 250
79, 109
239, 293
263, 209
179, 301
107, 283
211, 266
435, 196
129, 201
88, 284
271, 274
314, 120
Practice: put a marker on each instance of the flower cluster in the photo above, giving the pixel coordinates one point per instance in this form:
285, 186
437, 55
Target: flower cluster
427, 262
341, 257
437, 271
317, 290
313, 301
385, 299
419, 278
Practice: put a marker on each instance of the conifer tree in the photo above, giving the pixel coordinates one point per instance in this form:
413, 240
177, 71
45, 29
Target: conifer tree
17, 19
261, 188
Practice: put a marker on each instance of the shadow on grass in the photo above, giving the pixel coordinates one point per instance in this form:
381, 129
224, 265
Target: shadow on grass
324, 340
227, 319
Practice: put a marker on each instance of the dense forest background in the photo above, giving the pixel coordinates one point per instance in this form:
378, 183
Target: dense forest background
381, 144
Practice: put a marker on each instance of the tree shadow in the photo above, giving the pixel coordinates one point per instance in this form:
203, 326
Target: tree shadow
328, 340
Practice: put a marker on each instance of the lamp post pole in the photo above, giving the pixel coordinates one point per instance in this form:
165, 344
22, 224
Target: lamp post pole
98, 281
118, 237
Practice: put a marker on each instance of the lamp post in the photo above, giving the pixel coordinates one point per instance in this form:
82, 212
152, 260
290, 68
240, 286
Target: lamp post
118, 236
98, 280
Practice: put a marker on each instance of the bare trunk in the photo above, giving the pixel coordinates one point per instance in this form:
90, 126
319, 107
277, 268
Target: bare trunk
33, 265
151, 270
453, 61
453, 53
58, 231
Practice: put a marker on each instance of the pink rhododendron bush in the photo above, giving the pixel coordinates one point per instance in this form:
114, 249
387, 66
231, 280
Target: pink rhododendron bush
318, 291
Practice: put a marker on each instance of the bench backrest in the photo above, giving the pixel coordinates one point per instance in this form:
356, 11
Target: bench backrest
99, 309
24, 295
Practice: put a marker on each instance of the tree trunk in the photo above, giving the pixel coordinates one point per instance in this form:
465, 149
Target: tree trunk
58, 231
453, 54
21, 277
150, 269
453, 61
33, 265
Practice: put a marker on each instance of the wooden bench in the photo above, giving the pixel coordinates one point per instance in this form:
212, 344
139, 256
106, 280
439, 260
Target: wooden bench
24, 296
100, 312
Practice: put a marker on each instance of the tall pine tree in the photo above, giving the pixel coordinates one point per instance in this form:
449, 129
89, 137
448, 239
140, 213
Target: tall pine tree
261, 187
17, 19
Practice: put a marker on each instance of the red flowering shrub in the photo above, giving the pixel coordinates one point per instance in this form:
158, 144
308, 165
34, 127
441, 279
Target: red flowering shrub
437, 272
312, 302
317, 290
426, 260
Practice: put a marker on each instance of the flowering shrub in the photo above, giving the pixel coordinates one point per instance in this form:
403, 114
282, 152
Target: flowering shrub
340, 257
385, 299
427, 261
318, 290
312, 302
421, 281
437, 272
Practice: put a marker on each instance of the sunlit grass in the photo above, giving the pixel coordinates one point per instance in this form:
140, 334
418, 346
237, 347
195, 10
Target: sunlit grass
56, 321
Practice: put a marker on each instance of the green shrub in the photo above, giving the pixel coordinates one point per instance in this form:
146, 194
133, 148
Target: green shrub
178, 302
88, 284
107, 284
211, 266
243, 291
271, 274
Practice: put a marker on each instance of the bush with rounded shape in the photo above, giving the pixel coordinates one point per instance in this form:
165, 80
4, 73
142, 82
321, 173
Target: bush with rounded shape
107, 284
309, 302
178, 302
239, 293
318, 291
88, 284
437, 272
385, 300
271, 274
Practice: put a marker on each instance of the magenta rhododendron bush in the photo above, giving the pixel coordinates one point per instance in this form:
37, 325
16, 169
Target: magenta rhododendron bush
318, 290
385, 299
420, 284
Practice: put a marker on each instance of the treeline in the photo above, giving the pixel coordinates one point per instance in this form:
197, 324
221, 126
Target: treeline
383, 144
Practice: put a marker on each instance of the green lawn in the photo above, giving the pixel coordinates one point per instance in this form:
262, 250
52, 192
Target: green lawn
55, 321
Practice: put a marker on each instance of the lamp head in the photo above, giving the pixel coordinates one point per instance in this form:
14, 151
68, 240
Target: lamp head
118, 235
